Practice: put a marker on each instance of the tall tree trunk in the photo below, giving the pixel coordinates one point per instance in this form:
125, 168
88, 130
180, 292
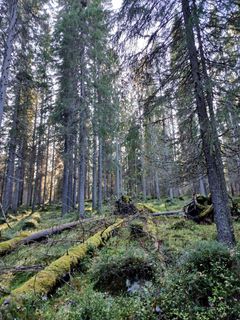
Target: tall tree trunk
65, 177
19, 177
157, 185
82, 165
11, 32
94, 171
8, 186
100, 174
52, 173
75, 172
32, 161
211, 144
118, 185
46, 167
38, 177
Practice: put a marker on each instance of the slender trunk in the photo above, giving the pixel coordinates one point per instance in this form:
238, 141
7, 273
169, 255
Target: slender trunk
19, 178
100, 173
75, 172
65, 177
8, 186
94, 173
82, 166
210, 141
11, 32
118, 187
38, 178
46, 168
52, 174
157, 185
32, 161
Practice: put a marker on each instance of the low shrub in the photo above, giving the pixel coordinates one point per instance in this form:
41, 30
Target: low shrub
205, 285
94, 305
183, 224
136, 229
114, 274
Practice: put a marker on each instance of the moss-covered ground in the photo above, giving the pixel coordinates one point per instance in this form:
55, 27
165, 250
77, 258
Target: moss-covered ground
121, 280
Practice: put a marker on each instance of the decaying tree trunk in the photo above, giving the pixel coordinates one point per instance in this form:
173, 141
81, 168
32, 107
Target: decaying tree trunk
46, 280
125, 206
23, 239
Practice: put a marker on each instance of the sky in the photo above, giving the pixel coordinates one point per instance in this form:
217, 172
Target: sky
116, 4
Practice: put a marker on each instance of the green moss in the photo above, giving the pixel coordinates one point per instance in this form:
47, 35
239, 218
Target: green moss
36, 216
9, 245
44, 281
16, 220
30, 224
33, 222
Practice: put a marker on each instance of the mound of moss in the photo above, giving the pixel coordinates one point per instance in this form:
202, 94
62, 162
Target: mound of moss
137, 229
115, 274
32, 223
205, 284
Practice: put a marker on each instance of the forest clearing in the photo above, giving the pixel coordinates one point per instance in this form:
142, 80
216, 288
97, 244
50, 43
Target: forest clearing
119, 159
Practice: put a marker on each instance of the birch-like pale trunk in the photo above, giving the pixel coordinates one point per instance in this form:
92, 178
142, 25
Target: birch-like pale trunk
8, 50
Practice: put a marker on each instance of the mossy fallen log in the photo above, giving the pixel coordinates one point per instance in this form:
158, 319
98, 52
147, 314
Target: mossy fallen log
155, 213
10, 245
46, 280
17, 219
27, 237
142, 206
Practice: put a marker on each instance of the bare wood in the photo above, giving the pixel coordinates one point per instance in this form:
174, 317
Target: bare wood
168, 213
21, 269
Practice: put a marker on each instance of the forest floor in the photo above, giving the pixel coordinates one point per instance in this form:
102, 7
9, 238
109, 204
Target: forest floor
128, 277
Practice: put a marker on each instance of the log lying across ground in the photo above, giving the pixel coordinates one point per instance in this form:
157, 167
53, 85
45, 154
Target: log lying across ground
26, 237
155, 213
47, 279
16, 220
168, 213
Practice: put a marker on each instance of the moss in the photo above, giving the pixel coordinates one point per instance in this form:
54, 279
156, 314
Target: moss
12, 223
44, 281
30, 224
33, 222
151, 228
147, 206
136, 229
9, 245
12, 218
36, 216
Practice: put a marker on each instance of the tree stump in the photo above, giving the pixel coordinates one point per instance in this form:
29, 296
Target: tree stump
125, 206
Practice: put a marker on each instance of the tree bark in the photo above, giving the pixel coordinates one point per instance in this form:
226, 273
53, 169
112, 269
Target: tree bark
94, 171
100, 173
82, 165
11, 32
210, 141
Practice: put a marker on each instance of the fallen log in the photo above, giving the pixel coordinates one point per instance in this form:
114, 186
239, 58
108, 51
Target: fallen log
47, 279
11, 224
168, 213
27, 237
33, 268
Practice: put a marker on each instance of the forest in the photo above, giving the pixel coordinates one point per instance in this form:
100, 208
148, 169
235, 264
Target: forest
120, 159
